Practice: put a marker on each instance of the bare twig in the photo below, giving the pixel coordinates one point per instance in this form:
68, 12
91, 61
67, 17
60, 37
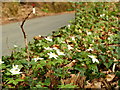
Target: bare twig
25, 36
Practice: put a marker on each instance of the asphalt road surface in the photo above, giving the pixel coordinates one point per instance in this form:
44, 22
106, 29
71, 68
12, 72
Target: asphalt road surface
12, 34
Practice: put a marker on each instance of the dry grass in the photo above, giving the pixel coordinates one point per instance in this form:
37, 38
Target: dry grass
14, 11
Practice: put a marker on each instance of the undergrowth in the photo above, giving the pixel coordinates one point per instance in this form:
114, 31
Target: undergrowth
81, 55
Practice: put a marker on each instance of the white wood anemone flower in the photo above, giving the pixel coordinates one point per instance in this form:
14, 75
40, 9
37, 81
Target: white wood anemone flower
48, 48
102, 15
68, 25
55, 48
59, 52
15, 70
1, 62
48, 38
89, 33
69, 47
73, 38
93, 58
36, 59
63, 42
39, 35
109, 38
90, 49
52, 55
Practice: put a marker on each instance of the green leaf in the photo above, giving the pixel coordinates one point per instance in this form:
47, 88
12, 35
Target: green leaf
15, 82
47, 82
19, 80
119, 83
93, 67
39, 66
38, 86
8, 73
11, 81
67, 86
102, 57
81, 70
107, 65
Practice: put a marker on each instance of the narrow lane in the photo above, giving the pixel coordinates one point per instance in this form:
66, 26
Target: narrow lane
12, 35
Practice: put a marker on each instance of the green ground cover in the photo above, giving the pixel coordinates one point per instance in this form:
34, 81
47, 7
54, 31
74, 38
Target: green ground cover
84, 54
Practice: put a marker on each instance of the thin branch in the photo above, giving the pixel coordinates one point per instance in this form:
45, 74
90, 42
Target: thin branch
25, 36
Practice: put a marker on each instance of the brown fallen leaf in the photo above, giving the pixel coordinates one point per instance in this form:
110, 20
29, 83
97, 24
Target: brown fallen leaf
38, 37
53, 78
49, 73
56, 45
106, 84
110, 77
65, 81
106, 72
80, 80
75, 80
67, 41
94, 84
71, 64
69, 80
78, 50
23, 76
88, 85
116, 60
64, 47
35, 78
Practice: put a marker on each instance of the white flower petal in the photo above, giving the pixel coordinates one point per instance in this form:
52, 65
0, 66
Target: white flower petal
68, 25
63, 42
55, 48
36, 59
15, 70
93, 58
15, 67
48, 39
52, 55
102, 15
39, 35
48, 48
89, 33
69, 47
1, 61
60, 53
73, 38
90, 49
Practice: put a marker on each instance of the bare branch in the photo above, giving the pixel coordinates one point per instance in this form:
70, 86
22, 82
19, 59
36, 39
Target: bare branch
25, 36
